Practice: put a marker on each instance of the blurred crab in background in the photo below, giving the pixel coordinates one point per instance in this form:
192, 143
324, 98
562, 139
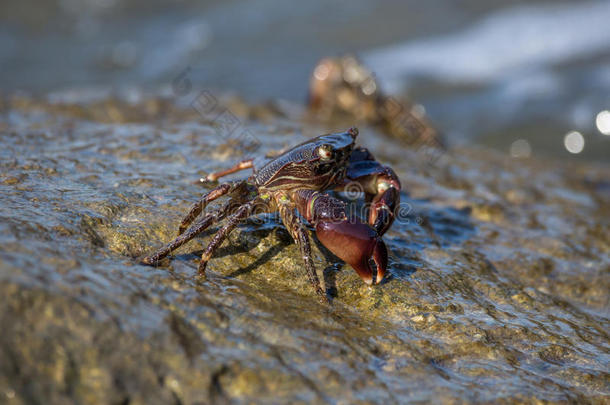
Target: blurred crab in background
343, 87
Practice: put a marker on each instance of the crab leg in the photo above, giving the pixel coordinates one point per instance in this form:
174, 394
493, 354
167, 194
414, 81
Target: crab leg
298, 232
244, 164
192, 232
348, 238
242, 213
211, 195
380, 184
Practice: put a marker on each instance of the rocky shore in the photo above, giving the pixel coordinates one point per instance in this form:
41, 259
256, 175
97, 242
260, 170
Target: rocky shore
499, 286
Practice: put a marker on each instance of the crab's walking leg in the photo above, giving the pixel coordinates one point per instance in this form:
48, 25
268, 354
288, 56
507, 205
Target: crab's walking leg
193, 231
379, 183
200, 205
244, 164
301, 238
242, 213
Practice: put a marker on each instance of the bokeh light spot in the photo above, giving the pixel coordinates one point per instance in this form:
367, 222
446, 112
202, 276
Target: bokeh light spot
574, 142
602, 121
520, 149
321, 71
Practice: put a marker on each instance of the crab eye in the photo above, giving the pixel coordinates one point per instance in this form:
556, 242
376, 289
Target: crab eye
325, 152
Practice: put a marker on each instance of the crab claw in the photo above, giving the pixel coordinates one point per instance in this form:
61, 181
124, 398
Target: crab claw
355, 243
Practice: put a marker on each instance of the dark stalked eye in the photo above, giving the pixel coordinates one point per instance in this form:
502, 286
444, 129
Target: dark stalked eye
325, 152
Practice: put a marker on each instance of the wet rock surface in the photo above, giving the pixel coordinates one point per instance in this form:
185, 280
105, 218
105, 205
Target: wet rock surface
500, 271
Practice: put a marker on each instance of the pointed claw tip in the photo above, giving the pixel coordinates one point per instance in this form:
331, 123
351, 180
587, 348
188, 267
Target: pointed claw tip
364, 271
380, 256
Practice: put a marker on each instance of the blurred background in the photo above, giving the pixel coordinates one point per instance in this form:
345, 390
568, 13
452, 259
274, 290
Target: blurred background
530, 78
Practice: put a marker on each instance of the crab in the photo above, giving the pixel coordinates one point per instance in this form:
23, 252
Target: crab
344, 87
293, 184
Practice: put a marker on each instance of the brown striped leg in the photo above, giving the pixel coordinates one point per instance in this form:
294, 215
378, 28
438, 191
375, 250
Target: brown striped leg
298, 232
200, 205
193, 231
244, 164
242, 213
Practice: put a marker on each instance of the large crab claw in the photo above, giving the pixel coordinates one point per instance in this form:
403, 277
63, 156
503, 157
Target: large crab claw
357, 244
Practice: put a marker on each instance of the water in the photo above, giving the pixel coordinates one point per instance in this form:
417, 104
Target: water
487, 73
